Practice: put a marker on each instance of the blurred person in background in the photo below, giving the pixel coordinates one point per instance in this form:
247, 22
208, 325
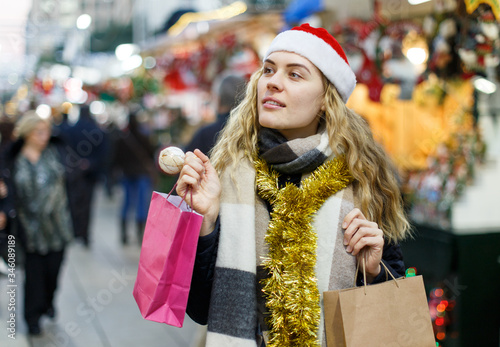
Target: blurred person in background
37, 187
228, 90
6, 205
6, 131
86, 157
62, 127
4, 231
62, 130
134, 158
110, 177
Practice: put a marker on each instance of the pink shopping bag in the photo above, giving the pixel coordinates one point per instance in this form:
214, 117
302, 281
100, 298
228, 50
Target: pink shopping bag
167, 258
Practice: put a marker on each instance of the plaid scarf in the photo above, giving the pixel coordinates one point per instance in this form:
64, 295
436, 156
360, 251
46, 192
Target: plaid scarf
234, 314
295, 156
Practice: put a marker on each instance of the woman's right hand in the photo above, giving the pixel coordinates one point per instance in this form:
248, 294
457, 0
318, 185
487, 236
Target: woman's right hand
4, 191
199, 176
3, 220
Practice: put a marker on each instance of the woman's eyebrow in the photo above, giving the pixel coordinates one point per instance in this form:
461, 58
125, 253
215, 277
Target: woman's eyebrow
288, 65
269, 61
298, 65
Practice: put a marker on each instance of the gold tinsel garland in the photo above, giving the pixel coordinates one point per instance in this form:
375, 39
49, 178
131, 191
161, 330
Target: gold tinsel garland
291, 291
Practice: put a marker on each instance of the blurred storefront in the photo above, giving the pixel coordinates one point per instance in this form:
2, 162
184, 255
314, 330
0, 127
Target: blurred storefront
426, 86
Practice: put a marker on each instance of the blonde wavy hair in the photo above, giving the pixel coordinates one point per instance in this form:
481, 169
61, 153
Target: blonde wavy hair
349, 134
27, 123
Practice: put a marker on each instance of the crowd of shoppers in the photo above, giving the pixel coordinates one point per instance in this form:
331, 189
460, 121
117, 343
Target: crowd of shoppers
49, 171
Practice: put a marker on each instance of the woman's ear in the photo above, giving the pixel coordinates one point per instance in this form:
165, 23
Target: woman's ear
323, 108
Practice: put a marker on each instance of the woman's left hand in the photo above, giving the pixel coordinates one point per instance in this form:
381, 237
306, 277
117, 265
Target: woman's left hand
363, 235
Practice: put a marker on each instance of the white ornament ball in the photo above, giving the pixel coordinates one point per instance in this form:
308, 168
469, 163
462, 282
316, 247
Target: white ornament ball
171, 160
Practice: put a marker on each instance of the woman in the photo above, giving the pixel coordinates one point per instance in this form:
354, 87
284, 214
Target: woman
295, 194
38, 177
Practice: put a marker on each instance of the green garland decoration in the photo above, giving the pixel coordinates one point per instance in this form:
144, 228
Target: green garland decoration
291, 291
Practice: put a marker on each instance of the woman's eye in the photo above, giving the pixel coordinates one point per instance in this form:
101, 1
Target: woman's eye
294, 75
267, 70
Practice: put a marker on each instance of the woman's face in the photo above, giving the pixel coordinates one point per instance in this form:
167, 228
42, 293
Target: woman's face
39, 136
290, 95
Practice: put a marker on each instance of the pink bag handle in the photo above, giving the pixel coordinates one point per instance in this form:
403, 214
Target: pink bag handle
183, 197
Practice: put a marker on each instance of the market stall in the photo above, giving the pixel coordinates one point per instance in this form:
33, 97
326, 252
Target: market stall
421, 83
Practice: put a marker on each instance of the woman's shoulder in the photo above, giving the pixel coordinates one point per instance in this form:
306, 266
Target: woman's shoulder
53, 148
55, 151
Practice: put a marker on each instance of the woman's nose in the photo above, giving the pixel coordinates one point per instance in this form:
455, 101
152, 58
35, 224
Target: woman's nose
275, 82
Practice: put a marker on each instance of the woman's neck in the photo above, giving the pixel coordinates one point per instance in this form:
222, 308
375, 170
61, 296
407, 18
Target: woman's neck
32, 153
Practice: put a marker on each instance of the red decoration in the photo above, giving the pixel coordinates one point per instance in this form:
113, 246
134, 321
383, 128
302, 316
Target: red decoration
369, 75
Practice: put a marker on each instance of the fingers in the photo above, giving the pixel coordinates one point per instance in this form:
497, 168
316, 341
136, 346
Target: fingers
193, 166
368, 241
198, 161
209, 169
204, 158
3, 220
197, 170
355, 213
360, 233
364, 235
3, 189
191, 173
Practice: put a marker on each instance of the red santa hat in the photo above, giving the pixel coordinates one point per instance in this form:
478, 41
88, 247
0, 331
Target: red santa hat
321, 48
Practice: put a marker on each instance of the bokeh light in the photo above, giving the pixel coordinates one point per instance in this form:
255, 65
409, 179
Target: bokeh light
44, 111
97, 107
83, 21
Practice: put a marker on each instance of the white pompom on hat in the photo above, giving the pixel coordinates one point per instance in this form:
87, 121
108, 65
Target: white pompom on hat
321, 49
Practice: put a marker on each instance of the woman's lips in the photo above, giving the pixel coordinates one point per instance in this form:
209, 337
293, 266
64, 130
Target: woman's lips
272, 103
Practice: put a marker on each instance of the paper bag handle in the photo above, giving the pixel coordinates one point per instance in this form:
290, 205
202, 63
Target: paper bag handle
190, 190
364, 272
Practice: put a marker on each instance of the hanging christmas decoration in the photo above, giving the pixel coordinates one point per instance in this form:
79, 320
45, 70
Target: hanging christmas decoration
472, 5
479, 44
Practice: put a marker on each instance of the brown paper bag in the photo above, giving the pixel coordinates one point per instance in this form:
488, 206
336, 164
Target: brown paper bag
394, 313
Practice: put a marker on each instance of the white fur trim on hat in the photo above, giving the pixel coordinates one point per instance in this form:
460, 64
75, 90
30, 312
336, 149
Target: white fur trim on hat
321, 54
